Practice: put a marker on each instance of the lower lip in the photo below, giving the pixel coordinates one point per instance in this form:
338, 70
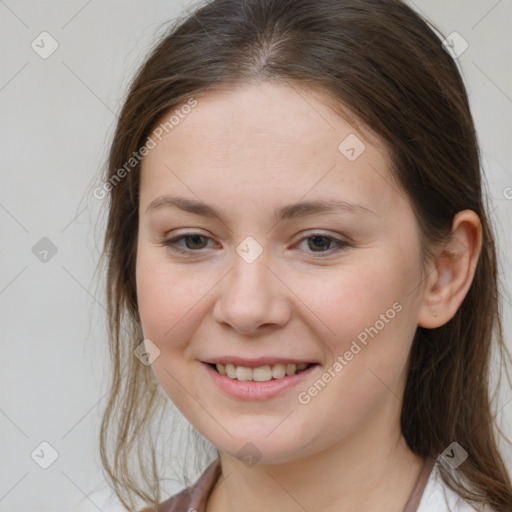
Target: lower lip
253, 390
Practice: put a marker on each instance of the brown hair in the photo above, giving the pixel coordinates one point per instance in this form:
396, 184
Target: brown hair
381, 63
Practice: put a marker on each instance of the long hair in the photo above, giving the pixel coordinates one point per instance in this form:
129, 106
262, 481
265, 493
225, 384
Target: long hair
383, 66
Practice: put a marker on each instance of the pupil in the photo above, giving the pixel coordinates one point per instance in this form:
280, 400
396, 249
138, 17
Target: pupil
319, 238
194, 238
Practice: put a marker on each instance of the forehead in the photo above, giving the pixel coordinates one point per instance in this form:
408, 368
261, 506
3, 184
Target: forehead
266, 112
266, 138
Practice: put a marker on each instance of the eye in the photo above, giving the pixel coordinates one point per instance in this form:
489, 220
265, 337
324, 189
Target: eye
194, 242
193, 239
320, 241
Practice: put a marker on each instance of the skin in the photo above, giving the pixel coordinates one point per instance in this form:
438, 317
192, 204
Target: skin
276, 145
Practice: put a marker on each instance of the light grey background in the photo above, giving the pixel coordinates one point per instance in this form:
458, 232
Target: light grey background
57, 116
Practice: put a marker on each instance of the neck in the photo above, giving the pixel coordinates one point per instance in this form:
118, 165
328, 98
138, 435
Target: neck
374, 474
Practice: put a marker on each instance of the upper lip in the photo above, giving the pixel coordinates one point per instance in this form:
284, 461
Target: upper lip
254, 363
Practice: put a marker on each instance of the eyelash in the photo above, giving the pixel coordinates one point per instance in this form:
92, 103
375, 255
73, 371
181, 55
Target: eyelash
340, 244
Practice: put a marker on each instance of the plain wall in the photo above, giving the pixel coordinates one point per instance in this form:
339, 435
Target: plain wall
57, 118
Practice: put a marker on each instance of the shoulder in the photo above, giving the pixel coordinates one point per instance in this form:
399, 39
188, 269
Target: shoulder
438, 497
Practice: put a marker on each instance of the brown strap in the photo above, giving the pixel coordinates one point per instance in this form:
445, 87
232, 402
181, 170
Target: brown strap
204, 487
421, 482
195, 496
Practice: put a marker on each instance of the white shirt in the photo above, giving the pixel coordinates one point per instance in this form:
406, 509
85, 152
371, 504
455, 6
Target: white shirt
438, 497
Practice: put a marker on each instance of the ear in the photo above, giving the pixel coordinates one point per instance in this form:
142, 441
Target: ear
450, 276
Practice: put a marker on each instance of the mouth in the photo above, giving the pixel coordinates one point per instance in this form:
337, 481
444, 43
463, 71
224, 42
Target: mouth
241, 382
262, 373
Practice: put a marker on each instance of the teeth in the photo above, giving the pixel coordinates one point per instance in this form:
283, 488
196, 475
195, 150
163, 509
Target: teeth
290, 369
231, 371
261, 373
278, 371
243, 373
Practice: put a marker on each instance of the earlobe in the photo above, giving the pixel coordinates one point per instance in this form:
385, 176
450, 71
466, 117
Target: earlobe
453, 270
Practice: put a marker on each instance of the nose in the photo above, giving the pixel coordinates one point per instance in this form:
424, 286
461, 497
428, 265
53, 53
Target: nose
252, 298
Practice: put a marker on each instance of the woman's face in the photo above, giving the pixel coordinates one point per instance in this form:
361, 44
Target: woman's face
263, 288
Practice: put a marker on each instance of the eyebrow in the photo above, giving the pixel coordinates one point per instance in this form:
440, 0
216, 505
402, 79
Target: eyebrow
291, 211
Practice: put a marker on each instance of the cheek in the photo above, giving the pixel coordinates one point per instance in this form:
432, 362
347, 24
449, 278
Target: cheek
372, 328
166, 307
172, 299
366, 314
163, 298
350, 299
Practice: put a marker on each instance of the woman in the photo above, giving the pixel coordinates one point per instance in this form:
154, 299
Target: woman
299, 255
